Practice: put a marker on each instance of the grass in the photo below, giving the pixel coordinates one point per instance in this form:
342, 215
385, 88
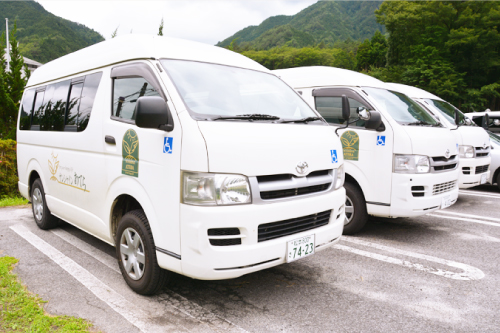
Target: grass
21, 311
15, 201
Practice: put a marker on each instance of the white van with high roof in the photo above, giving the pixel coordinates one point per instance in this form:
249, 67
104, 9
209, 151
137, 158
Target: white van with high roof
473, 141
186, 157
399, 160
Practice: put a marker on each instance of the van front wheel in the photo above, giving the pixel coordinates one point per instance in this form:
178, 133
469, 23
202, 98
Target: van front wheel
43, 218
136, 254
356, 215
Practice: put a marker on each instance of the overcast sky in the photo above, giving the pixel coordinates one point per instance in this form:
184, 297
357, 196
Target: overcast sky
207, 21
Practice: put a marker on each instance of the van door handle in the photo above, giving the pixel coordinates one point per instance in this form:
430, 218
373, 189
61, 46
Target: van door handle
109, 139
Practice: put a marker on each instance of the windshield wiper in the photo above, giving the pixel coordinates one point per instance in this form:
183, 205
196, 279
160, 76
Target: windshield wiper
303, 120
420, 122
254, 116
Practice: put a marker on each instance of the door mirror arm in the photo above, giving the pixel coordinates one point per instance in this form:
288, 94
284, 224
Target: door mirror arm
346, 113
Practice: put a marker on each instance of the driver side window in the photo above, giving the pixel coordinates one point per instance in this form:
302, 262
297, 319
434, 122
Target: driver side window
126, 92
331, 109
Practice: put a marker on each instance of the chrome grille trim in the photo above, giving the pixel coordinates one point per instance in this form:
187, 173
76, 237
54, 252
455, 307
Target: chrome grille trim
443, 164
481, 152
444, 187
322, 182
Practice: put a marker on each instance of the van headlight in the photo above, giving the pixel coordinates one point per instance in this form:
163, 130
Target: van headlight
210, 189
339, 182
411, 164
466, 151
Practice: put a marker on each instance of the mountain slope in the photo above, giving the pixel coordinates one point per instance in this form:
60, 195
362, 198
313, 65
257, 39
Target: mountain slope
324, 21
43, 36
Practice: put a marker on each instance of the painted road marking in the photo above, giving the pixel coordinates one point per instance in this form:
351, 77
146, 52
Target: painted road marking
168, 297
468, 215
469, 272
466, 220
479, 194
116, 301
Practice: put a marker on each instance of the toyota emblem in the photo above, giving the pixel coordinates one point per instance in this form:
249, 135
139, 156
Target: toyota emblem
302, 167
447, 153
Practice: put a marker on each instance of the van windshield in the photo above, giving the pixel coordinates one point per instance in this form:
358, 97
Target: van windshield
212, 91
401, 108
447, 110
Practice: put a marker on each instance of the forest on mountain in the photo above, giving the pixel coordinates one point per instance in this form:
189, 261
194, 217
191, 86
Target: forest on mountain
449, 48
43, 36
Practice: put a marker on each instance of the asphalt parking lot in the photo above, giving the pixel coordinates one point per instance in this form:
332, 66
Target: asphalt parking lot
434, 273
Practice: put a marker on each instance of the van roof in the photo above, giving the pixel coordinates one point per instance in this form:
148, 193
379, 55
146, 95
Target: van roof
136, 46
413, 92
322, 76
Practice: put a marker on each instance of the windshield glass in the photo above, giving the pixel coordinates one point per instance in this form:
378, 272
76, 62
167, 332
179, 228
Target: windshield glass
401, 108
494, 138
210, 91
447, 110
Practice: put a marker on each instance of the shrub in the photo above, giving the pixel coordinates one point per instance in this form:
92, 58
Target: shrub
8, 169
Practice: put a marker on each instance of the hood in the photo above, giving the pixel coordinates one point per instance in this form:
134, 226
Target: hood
431, 141
255, 149
474, 136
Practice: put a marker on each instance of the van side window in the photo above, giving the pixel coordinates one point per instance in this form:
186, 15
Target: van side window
331, 109
26, 108
37, 110
54, 105
87, 99
126, 91
73, 106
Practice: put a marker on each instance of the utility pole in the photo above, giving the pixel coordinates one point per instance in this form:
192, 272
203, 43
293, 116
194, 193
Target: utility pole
7, 53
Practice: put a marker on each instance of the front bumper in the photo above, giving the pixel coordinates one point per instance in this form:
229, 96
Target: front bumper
415, 195
202, 260
471, 170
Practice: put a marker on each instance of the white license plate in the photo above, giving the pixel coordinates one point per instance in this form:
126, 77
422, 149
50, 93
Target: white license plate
446, 202
483, 179
300, 248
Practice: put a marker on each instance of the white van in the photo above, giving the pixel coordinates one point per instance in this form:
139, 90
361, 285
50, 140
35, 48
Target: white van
400, 162
489, 120
473, 141
186, 157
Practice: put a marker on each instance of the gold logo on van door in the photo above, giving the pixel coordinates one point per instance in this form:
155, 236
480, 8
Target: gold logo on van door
350, 145
130, 153
66, 175
53, 165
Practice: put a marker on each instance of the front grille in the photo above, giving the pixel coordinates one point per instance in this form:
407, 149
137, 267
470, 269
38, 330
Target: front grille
293, 192
466, 170
441, 163
443, 187
223, 233
418, 191
482, 152
292, 226
280, 186
482, 168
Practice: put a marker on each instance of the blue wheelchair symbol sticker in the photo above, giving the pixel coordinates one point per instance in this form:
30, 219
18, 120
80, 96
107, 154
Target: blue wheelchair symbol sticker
168, 145
335, 158
380, 140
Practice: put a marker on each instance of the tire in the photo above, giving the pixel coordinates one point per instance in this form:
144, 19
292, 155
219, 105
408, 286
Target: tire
136, 253
41, 213
355, 209
498, 180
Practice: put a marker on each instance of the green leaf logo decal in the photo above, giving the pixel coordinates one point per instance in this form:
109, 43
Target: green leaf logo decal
130, 153
350, 145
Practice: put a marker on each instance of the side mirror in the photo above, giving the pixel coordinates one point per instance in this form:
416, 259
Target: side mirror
467, 121
457, 118
375, 121
486, 121
496, 122
153, 112
346, 109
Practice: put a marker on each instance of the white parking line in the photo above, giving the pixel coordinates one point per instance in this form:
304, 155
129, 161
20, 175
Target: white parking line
168, 298
466, 220
123, 307
469, 272
468, 215
479, 194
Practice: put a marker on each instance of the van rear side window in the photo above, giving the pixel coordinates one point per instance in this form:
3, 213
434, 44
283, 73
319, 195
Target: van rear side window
61, 106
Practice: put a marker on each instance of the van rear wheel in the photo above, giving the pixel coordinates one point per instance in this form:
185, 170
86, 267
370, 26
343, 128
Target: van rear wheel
356, 215
498, 180
43, 218
136, 253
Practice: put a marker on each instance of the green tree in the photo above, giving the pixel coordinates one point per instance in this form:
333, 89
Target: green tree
372, 53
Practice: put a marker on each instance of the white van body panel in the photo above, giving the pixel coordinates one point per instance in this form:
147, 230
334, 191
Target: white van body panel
464, 135
89, 182
387, 194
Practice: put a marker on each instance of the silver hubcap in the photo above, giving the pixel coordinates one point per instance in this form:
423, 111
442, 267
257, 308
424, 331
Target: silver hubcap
132, 253
37, 202
349, 211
